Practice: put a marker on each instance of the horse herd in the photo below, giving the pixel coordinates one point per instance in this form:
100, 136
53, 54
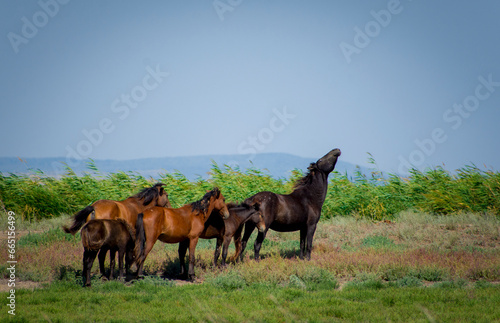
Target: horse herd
131, 227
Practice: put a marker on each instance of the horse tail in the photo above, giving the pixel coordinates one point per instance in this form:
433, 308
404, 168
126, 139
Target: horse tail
79, 220
140, 239
85, 238
94, 235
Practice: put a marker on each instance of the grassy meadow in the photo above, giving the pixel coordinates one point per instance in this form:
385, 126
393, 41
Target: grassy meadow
422, 248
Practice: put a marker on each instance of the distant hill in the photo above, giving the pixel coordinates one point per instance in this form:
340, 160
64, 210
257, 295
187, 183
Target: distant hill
276, 164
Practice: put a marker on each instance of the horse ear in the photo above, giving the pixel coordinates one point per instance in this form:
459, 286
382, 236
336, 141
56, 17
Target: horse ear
249, 202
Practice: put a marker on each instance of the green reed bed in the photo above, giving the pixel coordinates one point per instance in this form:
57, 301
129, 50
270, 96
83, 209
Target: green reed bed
376, 196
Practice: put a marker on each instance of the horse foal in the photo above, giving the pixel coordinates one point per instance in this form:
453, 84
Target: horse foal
103, 235
225, 229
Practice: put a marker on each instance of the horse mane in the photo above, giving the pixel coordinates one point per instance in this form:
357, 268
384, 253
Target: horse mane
308, 178
202, 205
232, 204
148, 194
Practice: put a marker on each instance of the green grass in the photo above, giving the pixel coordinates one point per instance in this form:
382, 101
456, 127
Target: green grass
418, 267
378, 242
45, 238
150, 301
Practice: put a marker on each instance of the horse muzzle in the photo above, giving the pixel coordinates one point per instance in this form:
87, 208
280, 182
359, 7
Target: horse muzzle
261, 227
225, 214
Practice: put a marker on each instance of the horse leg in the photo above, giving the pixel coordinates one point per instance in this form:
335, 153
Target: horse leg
121, 255
249, 227
258, 243
140, 261
102, 258
303, 236
237, 244
88, 261
112, 254
183, 246
129, 260
310, 235
217, 251
225, 246
192, 247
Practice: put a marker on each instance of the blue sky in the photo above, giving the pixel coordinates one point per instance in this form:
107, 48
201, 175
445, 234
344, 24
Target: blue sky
411, 82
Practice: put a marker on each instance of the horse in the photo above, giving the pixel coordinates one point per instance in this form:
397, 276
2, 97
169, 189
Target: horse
297, 211
127, 209
225, 229
183, 225
103, 235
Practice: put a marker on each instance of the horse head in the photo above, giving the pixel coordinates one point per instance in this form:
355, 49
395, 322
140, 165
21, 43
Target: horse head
162, 199
256, 216
219, 203
212, 200
261, 224
327, 162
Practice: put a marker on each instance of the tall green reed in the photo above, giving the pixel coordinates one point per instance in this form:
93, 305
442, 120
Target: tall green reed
377, 196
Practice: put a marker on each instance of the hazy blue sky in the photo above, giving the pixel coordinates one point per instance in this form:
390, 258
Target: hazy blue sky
408, 81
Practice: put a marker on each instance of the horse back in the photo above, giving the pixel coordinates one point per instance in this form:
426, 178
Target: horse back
165, 224
105, 232
108, 209
182, 223
120, 232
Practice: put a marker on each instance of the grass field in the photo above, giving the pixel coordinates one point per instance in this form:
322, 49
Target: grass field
414, 267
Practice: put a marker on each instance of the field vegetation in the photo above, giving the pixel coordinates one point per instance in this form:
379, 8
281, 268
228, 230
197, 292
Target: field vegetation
422, 248
378, 196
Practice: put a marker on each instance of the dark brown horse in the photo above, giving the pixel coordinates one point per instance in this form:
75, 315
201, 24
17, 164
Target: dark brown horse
127, 209
297, 211
103, 235
225, 229
183, 225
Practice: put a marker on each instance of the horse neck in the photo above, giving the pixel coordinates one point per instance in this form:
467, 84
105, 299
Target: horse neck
215, 220
139, 204
316, 189
233, 219
206, 215
241, 217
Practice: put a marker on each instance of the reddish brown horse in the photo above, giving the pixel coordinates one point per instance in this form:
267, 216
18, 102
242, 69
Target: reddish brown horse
103, 235
127, 209
297, 211
225, 229
183, 225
